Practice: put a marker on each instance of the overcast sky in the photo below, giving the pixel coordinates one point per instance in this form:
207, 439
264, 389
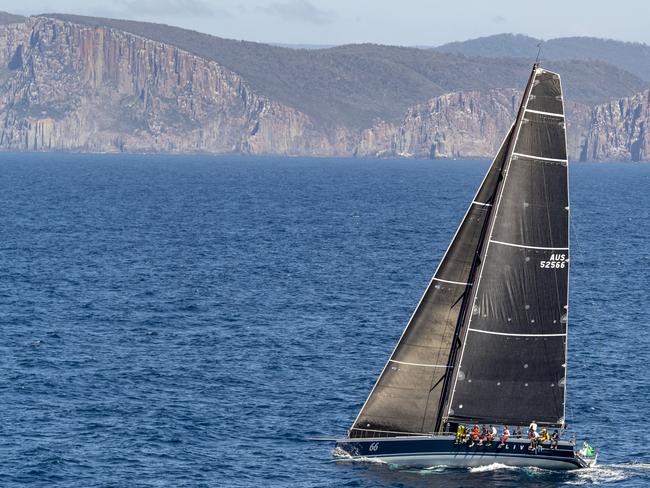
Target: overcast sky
403, 22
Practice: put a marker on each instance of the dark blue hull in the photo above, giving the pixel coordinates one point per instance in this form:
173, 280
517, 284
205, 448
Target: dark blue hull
422, 451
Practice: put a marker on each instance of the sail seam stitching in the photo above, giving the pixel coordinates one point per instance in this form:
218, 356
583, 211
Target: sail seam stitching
530, 247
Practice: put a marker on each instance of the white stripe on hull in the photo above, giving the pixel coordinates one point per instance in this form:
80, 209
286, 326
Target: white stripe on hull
473, 460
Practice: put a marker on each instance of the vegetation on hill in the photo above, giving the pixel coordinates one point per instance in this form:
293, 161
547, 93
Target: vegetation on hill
7, 18
354, 85
630, 56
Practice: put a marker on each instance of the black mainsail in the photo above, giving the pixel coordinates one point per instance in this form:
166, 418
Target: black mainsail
512, 367
487, 341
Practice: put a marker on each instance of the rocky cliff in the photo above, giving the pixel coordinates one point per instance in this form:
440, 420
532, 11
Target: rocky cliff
70, 87
619, 130
461, 124
473, 124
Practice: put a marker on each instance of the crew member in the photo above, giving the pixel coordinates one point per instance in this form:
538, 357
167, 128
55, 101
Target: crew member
484, 435
504, 436
555, 439
533, 435
460, 433
544, 436
491, 435
475, 435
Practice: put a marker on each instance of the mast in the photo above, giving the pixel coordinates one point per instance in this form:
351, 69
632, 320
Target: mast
512, 366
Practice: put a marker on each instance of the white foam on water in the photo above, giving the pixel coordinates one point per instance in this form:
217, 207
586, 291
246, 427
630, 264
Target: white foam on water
643, 467
342, 456
337, 452
600, 474
433, 470
535, 470
491, 467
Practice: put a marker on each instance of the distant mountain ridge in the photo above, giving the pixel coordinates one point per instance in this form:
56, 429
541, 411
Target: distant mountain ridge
87, 84
7, 18
633, 57
356, 84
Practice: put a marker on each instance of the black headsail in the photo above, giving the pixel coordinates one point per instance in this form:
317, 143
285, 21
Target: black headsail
409, 393
512, 365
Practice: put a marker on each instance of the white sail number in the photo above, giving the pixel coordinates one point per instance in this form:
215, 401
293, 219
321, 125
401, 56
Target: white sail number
556, 261
373, 447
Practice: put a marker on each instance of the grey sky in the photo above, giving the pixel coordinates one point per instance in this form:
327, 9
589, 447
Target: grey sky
403, 22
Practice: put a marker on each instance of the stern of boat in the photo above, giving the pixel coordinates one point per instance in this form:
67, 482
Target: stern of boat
585, 460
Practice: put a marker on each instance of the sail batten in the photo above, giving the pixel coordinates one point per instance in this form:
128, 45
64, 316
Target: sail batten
540, 158
513, 334
493, 241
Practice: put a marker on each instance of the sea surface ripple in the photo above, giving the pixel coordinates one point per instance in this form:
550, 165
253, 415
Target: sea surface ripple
191, 320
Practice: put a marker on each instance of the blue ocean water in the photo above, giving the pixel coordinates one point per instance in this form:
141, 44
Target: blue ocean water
191, 320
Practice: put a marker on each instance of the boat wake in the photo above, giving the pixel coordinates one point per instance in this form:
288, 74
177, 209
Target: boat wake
492, 467
609, 473
435, 469
600, 474
595, 476
340, 455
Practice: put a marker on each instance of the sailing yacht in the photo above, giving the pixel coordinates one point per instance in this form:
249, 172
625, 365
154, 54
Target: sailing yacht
487, 343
